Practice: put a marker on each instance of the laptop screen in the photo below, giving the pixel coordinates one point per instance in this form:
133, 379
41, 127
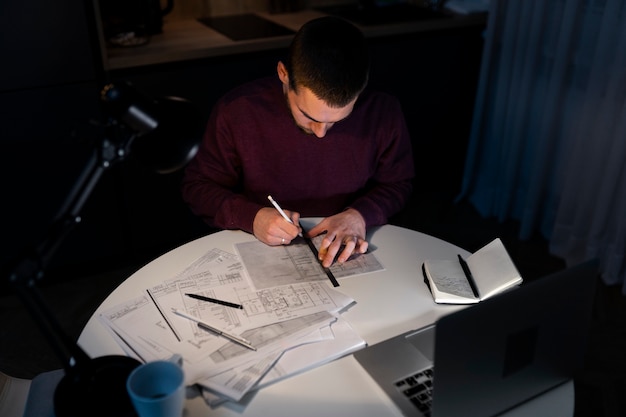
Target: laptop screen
492, 356
503, 351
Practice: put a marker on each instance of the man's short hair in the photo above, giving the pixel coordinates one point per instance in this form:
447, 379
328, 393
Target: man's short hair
329, 56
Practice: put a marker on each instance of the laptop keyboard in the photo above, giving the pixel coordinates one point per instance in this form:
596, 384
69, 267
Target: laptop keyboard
418, 388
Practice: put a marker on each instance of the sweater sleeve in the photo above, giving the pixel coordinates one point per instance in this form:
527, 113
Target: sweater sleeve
211, 183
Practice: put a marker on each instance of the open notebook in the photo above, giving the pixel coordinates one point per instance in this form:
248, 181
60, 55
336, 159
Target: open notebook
492, 356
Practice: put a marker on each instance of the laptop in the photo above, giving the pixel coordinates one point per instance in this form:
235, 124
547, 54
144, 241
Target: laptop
492, 356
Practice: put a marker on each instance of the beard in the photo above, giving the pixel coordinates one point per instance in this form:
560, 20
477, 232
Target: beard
298, 125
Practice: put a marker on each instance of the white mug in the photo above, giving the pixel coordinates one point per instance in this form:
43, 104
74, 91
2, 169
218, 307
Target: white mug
157, 389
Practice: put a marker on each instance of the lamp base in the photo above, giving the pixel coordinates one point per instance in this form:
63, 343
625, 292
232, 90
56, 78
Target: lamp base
97, 388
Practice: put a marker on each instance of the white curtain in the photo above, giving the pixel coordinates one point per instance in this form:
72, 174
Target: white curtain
548, 140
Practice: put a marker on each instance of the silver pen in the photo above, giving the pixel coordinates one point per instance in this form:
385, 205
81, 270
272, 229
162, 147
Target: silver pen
237, 339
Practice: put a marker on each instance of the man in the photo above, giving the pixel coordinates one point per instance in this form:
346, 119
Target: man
315, 139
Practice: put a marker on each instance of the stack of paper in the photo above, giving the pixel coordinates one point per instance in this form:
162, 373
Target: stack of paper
293, 326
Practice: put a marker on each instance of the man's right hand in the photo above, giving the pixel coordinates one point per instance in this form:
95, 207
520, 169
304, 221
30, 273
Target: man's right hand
272, 229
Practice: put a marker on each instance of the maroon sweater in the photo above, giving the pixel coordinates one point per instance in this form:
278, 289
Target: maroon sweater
253, 148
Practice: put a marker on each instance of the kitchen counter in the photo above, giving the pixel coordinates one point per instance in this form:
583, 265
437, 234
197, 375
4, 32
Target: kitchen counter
190, 39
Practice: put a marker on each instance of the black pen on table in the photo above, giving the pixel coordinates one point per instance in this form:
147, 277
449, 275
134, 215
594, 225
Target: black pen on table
280, 210
214, 300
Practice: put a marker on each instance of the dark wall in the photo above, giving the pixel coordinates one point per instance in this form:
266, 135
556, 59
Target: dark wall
50, 113
434, 75
49, 81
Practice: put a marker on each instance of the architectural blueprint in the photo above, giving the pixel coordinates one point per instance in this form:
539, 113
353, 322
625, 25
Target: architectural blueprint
273, 319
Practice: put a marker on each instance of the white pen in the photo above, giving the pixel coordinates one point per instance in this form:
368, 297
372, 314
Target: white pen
280, 210
237, 339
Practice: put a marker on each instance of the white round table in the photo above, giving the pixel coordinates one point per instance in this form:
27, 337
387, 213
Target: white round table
388, 302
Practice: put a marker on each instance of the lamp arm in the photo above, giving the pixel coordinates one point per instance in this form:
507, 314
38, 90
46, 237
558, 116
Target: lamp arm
88, 380
104, 157
30, 267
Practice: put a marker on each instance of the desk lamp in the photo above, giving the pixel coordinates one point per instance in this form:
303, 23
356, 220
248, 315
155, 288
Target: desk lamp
162, 133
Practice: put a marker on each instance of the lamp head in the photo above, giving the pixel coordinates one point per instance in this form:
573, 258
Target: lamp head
167, 130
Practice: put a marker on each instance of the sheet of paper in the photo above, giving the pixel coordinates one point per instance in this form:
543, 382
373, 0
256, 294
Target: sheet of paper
449, 278
337, 340
148, 326
215, 263
274, 320
357, 264
326, 344
493, 269
270, 266
234, 383
144, 334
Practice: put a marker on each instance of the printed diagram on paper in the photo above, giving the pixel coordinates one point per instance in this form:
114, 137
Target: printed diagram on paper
279, 321
271, 266
150, 330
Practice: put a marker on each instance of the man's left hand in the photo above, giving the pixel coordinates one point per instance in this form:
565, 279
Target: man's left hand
345, 229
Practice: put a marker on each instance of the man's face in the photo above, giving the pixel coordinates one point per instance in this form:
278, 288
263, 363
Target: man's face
311, 114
